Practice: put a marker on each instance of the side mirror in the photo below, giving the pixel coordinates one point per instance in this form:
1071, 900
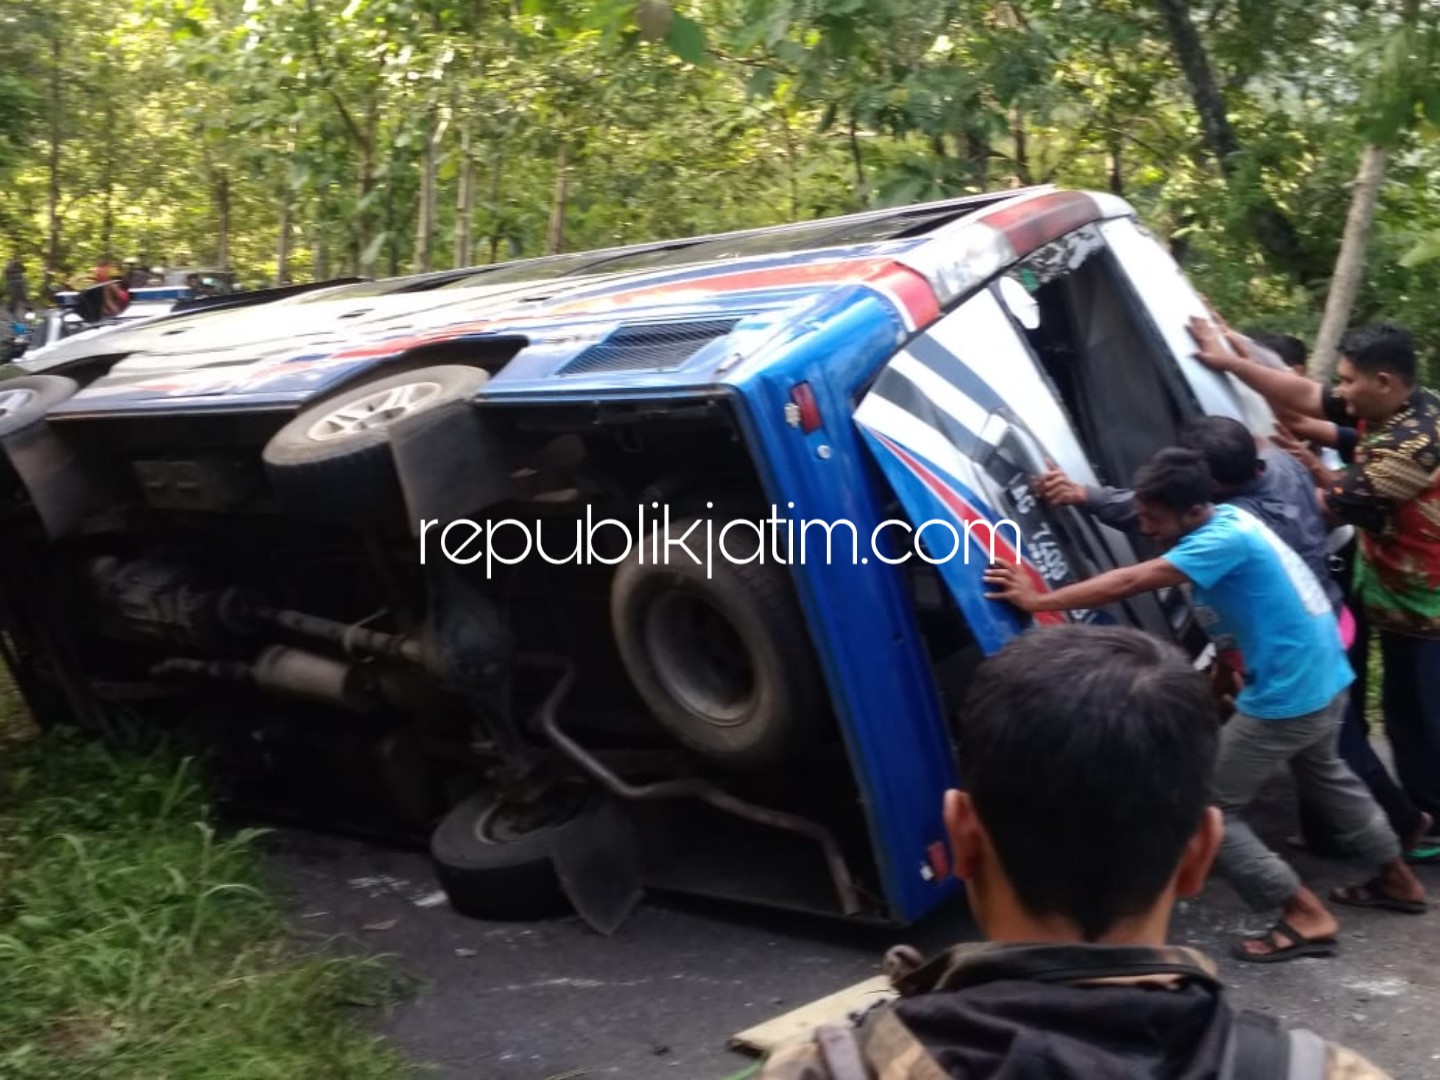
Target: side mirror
102, 301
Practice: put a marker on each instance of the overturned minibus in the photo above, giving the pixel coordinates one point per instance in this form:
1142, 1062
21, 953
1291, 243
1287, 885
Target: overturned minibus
651, 567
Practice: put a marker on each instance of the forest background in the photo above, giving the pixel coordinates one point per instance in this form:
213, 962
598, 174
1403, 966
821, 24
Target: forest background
295, 140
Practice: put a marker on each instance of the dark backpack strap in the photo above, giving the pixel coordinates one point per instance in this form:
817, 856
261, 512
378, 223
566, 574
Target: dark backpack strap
1260, 1048
892, 1050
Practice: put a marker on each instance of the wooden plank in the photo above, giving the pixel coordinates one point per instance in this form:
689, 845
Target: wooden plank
832, 1009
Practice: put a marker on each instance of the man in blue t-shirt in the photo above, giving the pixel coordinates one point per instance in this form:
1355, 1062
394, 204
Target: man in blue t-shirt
1250, 585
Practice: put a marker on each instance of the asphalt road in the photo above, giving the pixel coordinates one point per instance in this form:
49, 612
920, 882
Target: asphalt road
552, 1000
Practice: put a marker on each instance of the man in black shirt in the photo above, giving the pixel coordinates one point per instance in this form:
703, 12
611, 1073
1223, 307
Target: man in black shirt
1391, 494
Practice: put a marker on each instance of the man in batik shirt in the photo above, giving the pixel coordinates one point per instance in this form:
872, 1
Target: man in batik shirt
1391, 493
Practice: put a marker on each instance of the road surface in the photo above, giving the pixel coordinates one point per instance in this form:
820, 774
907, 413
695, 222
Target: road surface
552, 1000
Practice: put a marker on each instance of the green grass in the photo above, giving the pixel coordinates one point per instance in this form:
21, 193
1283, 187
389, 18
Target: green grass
137, 941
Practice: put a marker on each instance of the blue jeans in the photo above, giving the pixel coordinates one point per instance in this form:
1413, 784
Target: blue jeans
1411, 696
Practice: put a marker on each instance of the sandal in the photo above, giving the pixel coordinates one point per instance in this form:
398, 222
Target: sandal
1424, 853
1422, 848
1370, 894
1299, 945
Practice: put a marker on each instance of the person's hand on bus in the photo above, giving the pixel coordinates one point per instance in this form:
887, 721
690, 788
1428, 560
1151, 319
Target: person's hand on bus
1057, 489
1013, 583
1215, 344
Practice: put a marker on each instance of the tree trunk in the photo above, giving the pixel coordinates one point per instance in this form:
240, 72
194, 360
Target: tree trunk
862, 184
363, 261
222, 219
320, 253
497, 166
1273, 230
52, 250
107, 183
425, 225
555, 238
1195, 63
1112, 163
975, 145
1350, 265
282, 245
791, 167
465, 202
1020, 137
388, 230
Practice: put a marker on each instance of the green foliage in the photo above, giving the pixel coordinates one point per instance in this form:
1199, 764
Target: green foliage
188, 129
1405, 88
136, 941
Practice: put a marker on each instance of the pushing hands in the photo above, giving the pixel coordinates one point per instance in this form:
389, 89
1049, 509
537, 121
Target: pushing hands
1057, 489
1211, 339
1013, 585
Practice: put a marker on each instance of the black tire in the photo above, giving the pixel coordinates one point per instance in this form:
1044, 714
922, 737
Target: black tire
26, 399
491, 870
322, 471
724, 663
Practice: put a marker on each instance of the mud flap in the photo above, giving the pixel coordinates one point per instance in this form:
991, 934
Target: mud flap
597, 859
63, 485
450, 463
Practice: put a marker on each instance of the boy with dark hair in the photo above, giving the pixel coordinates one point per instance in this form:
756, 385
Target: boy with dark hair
1249, 585
1391, 493
1073, 860
1288, 347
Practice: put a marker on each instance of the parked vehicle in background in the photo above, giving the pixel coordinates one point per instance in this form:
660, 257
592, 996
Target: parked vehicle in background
303, 533
55, 324
41, 352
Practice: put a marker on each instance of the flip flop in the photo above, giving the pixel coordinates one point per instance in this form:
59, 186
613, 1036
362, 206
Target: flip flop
1299, 945
1369, 894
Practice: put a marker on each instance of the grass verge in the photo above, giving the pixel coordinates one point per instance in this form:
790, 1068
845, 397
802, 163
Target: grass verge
136, 941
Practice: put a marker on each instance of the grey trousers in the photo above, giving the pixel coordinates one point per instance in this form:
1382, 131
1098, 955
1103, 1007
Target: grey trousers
1251, 751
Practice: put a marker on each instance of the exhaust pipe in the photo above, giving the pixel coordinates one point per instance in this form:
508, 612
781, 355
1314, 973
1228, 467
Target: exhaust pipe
287, 672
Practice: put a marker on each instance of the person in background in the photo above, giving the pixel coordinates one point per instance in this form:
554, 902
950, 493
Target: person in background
1391, 494
1325, 449
17, 300
1072, 862
1288, 347
1249, 585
